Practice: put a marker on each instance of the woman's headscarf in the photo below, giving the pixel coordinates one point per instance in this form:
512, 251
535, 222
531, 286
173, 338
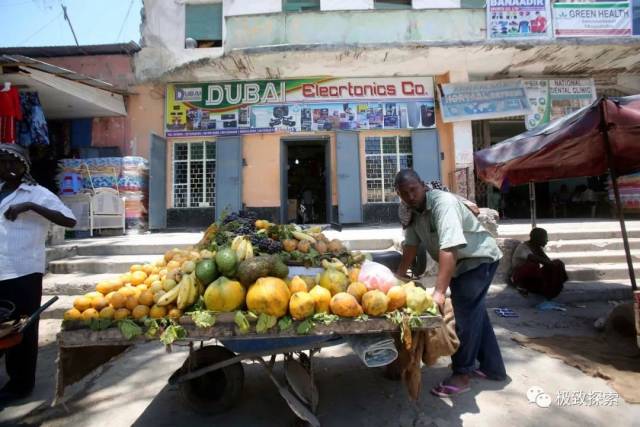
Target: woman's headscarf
21, 154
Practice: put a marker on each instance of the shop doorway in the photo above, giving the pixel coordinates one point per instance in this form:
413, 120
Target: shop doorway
305, 172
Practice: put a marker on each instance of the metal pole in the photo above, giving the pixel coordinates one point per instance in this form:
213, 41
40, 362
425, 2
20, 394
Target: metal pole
604, 126
532, 203
66, 17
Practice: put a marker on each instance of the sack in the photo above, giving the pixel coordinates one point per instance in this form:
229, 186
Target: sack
377, 276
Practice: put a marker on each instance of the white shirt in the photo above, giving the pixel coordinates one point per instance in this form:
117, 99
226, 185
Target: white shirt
22, 242
520, 255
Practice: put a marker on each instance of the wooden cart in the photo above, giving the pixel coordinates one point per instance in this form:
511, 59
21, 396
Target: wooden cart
211, 379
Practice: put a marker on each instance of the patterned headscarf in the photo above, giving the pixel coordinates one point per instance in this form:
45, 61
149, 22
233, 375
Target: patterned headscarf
21, 154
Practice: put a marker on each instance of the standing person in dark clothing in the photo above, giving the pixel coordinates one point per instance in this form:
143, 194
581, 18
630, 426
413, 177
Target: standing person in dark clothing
467, 257
26, 209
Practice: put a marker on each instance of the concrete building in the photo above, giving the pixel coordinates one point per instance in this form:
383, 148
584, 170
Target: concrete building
276, 104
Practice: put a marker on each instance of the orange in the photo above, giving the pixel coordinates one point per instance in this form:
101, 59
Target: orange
175, 313
72, 314
135, 267
107, 313
146, 298
127, 291
147, 268
104, 287
118, 300
139, 312
121, 313
156, 286
131, 302
99, 303
125, 278
82, 303
157, 312
151, 278
90, 313
138, 277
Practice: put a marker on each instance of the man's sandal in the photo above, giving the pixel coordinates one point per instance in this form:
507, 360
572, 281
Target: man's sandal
448, 390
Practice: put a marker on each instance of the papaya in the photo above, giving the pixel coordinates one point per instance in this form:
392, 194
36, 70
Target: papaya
269, 295
345, 305
301, 305
397, 298
322, 299
374, 303
224, 295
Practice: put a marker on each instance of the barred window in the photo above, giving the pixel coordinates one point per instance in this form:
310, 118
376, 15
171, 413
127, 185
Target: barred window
194, 174
384, 157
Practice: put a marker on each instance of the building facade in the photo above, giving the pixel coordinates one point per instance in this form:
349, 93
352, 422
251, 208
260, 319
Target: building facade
304, 110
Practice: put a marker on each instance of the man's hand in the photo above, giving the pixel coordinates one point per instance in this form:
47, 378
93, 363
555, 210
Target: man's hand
438, 298
14, 210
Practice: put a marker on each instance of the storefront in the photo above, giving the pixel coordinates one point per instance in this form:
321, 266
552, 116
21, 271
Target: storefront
310, 150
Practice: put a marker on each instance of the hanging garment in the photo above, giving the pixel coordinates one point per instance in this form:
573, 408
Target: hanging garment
10, 111
33, 127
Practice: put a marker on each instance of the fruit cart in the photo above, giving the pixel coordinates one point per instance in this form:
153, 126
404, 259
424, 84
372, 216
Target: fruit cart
211, 378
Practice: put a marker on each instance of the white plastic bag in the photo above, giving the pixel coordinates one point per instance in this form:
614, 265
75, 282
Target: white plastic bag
377, 276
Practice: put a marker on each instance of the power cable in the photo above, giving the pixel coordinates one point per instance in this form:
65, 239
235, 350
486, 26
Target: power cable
40, 29
124, 21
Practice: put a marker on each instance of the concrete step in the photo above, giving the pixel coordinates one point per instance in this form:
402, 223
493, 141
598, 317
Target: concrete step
99, 264
580, 233
596, 257
600, 271
591, 245
73, 283
368, 245
129, 249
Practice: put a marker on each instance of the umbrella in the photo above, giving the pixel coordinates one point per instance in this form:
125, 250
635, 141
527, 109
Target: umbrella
602, 136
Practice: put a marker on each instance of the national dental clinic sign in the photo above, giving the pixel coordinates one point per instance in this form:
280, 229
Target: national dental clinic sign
315, 103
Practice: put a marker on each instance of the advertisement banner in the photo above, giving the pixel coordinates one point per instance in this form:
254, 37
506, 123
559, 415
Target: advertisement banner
551, 99
313, 104
599, 19
483, 100
524, 19
538, 93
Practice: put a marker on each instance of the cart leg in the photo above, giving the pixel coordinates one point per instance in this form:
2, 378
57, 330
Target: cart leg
296, 405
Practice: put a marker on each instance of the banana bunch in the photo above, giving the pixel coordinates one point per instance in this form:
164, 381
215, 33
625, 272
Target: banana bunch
303, 236
335, 264
185, 293
242, 247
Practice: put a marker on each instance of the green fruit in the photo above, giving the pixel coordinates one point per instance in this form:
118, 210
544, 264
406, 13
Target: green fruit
227, 261
279, 269
254, 268
206, 271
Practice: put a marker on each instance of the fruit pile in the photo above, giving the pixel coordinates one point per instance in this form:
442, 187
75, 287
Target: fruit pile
246, 278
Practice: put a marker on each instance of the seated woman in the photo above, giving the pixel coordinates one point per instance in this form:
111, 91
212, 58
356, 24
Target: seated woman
533, 271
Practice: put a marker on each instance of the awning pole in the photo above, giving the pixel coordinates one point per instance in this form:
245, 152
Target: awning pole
532, 203
614, 180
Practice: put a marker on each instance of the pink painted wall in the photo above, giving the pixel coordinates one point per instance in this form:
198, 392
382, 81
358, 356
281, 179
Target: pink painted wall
114, 69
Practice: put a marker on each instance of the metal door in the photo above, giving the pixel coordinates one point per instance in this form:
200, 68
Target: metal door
349, 196
426, 154
228, 174
158, 183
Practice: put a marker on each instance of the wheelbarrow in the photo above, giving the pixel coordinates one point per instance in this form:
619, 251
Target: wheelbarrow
11, 331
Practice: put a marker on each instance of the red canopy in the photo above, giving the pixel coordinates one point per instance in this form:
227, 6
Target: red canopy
572, 146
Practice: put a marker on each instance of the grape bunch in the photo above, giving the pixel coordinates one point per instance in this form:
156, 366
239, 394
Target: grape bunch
266, 244
242, 223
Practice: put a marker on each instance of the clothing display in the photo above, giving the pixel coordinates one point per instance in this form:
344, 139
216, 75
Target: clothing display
129, 175
32, 129
10, 112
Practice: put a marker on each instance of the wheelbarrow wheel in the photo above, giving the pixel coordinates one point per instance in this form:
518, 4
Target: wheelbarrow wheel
216, 391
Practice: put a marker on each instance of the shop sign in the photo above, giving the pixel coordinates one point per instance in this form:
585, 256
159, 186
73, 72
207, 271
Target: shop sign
596, 19
313, 104
551, 99
483, 100
522, 19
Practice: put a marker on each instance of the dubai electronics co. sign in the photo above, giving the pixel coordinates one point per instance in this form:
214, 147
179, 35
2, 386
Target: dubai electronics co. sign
221, 96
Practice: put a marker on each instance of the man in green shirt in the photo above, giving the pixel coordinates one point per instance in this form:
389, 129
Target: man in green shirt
468, 257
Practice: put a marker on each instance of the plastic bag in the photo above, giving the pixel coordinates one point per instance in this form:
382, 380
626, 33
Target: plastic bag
377, 276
